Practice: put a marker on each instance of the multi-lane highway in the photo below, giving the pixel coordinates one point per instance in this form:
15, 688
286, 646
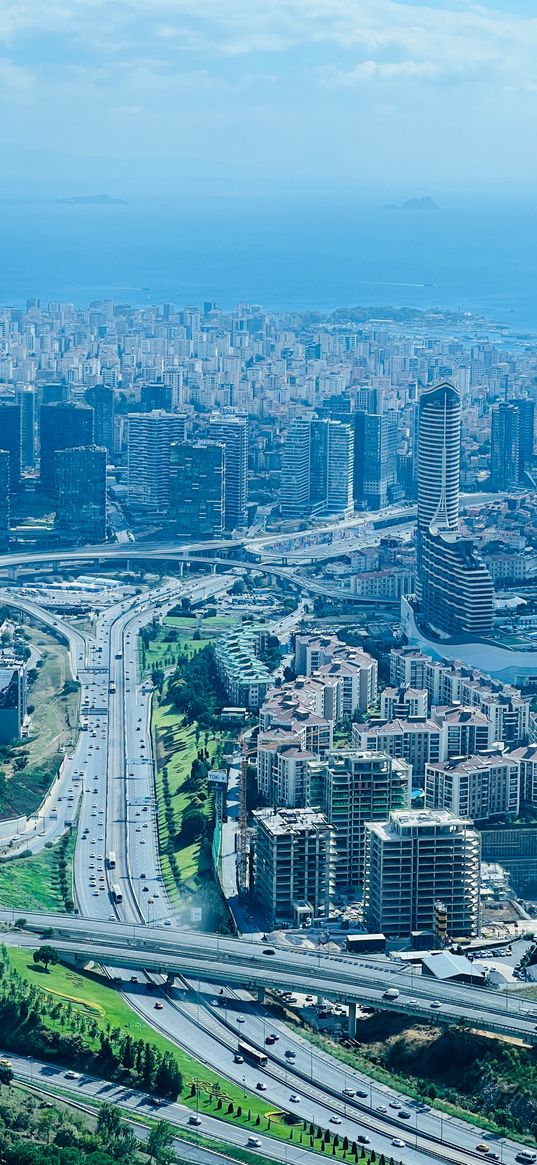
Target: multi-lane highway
112, 764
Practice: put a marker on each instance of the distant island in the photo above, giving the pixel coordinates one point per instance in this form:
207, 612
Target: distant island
94, 200
426, 203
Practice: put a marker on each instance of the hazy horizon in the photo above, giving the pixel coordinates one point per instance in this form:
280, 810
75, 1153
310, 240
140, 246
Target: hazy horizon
319, 96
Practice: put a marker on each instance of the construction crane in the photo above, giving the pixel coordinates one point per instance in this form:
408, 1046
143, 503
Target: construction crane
243, 846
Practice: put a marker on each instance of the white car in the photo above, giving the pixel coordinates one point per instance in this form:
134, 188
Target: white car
254, 1142
294, 1098
335, 1120
436, 1004
399, 1144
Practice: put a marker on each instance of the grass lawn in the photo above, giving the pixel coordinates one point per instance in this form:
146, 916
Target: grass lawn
176, 637
55, 716
54, 725
32, 883
98, 999
175, 748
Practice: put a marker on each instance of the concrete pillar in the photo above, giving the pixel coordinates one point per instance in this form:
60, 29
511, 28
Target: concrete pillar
260, 994
170, 980
181, 567
214, 568
352, 1021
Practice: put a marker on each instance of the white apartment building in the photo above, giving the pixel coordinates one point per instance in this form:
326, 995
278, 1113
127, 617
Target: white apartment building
404, 702
326, 656
479, 787
526, 759
282, 768
416, 741
384, 584
415, 860
464, 731
288, 712
448, 683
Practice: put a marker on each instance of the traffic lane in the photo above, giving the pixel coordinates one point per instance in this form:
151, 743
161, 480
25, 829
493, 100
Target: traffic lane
135, 1103
314, 1108
316, 1065
324, 968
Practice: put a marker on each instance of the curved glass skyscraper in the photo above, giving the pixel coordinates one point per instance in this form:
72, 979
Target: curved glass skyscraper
454, 586
439, 450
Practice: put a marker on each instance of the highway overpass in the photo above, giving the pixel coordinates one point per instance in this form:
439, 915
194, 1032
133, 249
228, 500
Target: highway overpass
239, 961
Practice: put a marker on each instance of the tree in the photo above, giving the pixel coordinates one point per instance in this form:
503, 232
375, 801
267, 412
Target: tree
6, 1075
160, 1141
46, 955
45, 1123
109, 1123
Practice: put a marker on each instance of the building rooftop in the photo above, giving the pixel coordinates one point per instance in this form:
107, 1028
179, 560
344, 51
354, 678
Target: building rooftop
282, 822
445, 965
469, 764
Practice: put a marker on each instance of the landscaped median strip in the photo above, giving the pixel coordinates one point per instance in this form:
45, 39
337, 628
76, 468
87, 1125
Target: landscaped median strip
322, 1142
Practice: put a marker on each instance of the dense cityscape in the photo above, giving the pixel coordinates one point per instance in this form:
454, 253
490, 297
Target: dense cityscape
268, 734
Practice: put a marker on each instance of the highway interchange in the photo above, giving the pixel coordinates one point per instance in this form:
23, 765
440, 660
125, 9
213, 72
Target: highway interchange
111, 774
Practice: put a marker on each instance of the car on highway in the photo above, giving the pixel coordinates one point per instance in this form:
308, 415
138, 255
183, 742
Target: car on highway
158, 1005
194, 1119
238, 1059
348, 1091
399, 1144
70, 1075
363, 1139
294, 1098
335, 1120
482, 1148
261, 1087
381, 1108
526, 1157
405, 1116
362, 1093
436, 1004
254, 1142
240, 1019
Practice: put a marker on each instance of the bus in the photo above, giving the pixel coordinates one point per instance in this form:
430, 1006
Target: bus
111, 860
117, 896
252, 1054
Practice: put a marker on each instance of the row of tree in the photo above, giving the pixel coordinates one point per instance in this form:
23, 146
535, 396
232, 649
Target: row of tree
39, 1024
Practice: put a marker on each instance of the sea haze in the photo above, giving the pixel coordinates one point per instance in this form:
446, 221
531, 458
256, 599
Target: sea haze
291, 253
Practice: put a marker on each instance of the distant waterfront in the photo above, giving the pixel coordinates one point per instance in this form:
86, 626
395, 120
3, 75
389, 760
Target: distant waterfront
284, 254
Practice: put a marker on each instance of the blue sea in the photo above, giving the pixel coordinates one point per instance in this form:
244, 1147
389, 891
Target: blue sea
284, 253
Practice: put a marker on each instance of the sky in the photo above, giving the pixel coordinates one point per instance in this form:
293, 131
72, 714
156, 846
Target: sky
246, 97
